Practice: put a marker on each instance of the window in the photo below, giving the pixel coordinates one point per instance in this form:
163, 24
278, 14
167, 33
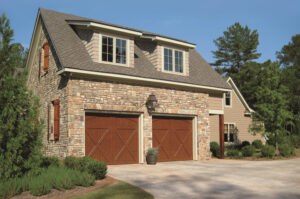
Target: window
114, 50
228, 99
229, 131
173, 60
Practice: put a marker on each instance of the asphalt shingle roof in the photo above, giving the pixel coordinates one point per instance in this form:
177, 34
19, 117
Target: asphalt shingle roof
72, 53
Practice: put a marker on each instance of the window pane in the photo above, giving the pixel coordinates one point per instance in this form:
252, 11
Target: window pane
124, 43
168, 60
178, 61
227, 99
121, 51
107, 48
225, 137
231, 137
118, 42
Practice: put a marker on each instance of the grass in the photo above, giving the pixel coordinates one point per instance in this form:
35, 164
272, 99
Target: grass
120, 190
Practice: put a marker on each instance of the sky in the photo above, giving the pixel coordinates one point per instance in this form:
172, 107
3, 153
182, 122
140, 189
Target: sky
197, 21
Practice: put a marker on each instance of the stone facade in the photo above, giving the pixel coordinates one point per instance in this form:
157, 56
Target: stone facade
79, 95
92, 94
48, 87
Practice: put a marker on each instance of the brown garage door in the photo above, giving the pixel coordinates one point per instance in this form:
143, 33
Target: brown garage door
173, 137
112, 138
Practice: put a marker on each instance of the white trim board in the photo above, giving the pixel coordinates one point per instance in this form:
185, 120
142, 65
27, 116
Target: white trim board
110, 75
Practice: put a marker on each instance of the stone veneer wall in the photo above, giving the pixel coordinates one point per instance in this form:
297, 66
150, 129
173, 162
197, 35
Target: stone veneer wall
48, 87
87, 94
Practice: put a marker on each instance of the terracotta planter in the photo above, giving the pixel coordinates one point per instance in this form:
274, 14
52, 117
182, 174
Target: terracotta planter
151, 159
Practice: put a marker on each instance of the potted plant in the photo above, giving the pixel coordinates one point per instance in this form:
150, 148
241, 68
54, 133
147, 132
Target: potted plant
151, 156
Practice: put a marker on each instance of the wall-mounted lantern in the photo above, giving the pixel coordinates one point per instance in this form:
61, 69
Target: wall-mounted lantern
151, 103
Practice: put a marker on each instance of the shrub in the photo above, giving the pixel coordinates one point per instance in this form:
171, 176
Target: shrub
97, 169
87, 164
296, 141
285, 150
53, 177
268, 151
50, 161
215, 149
233, 153
152, 151
245, 143
248, 151
257, 144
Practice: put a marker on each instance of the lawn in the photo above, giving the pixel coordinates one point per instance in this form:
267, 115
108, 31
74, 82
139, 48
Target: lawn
119, 190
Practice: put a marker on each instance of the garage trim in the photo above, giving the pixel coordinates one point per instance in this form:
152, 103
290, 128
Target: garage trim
194, 127
140, 127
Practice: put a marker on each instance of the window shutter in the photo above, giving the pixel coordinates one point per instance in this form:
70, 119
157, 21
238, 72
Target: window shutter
56, 119
46, 56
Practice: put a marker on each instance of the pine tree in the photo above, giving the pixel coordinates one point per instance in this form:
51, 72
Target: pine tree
20, 130
236, 47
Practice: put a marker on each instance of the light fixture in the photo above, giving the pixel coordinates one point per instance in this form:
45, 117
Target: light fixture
151, 102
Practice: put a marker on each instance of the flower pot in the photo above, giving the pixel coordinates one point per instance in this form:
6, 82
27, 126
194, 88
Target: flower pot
151, 159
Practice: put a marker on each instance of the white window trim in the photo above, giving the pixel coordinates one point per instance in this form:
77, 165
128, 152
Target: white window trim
114, 50
173, 60
228, 106
228, 123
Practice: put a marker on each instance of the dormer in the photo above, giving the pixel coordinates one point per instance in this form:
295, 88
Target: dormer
107, 44
114, 45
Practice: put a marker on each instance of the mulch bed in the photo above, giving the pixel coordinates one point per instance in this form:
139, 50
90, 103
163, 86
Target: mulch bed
56, 194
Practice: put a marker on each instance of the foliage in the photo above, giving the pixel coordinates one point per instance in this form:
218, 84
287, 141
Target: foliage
236, 47
152, 151
248, 151
97, 169
20, 129
268, 151
119, 190
53, 177
87, 164
286, 150
50, 161
233, 153
296, 141
257, 144
272, 101
215, 149
245, 143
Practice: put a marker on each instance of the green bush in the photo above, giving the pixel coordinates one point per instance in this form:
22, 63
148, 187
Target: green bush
50, 161
286, 150
248, 151
268, 151
257, 144
59, 178
296, 141
96, 168
93, 167
215, 149
233, 153
245, 143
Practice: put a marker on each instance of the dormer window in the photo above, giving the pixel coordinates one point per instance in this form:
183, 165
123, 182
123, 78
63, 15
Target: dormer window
173, 60
113, 50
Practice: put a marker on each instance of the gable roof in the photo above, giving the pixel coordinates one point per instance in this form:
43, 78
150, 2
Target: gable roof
72, 54
239, 94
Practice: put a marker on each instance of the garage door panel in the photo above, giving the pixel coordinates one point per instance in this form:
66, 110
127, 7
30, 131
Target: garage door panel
173, 137
112, 138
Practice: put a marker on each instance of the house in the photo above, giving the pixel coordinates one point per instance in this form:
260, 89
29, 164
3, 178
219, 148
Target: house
111, 92
237, 119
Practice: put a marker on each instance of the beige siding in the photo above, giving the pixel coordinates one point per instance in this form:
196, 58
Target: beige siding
236, 115
215, 102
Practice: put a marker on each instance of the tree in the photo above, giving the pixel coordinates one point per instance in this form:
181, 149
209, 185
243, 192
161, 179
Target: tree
289, 57
20, 130
236, 47
272, 101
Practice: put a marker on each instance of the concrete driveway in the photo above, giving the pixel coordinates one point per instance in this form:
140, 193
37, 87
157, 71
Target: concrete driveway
215, 179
